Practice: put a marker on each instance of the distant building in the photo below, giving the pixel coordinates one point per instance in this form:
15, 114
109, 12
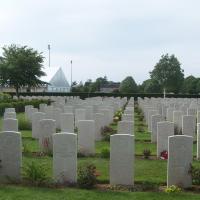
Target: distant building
109, 87
58, 83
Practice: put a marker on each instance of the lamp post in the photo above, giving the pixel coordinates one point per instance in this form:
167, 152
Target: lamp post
71, 75
49, 48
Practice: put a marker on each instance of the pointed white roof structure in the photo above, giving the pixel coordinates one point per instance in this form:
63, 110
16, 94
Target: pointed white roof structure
58, 82
59, 79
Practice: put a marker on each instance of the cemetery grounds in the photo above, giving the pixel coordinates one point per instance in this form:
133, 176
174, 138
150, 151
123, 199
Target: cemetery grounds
150, 174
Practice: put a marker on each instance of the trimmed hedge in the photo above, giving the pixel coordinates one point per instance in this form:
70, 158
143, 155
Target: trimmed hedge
19, 105
83, 95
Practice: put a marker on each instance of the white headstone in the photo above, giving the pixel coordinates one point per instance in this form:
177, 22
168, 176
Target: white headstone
47, 128
10, 115
79, 115
198, 141
164, 130
65, 157
99, 124
36, 117
179, 161
122, 159
86, 137
155, 119
188, 125
125, 127
177, 119
127, 117
10, 156
67, 122
10, 125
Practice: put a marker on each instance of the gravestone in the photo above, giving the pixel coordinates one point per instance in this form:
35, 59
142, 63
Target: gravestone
179, 161
99, 124
10, 125
47, 128
122, 159
10, 156
150, 113
177, 119
67, 122
42, 107
68, 109
188, 125
155, 119
125, 127
170, 112
10, 115
9, 110
164, 130
65, 157
57, 112
127, 117
86, 137
36, 117
198, 141
80, 114
106, 114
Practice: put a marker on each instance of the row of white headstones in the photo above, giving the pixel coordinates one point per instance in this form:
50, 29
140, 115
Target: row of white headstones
64, 145
164, 118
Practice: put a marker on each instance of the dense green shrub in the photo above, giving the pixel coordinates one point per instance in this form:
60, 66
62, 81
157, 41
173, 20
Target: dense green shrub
35, 174
87, 176
4, 97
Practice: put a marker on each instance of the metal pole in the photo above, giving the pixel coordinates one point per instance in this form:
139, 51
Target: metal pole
71, 75
49, 48
164, 93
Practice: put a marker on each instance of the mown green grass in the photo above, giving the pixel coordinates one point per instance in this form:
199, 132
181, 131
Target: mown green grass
24, 193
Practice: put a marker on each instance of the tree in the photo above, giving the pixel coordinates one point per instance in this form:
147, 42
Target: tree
21, 67
190, 85
168, 73
128, 85
151, 86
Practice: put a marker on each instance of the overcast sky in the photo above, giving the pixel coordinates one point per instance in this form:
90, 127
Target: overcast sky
116, 38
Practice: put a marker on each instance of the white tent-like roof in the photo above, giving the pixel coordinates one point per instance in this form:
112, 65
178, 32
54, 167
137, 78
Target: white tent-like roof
58, 82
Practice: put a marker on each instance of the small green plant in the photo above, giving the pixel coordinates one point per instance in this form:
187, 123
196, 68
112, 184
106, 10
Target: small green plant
26, 149
87, 176
35, 174
147, 153
105, 153
173, 189
195, 173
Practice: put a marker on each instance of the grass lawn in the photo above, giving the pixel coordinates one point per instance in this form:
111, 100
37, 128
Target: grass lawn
24, 193
152, 170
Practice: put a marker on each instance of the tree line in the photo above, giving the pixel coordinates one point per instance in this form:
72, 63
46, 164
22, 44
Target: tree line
21, 66
166, 75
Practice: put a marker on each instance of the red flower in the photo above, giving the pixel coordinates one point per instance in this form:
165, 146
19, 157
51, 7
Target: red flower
164, 155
